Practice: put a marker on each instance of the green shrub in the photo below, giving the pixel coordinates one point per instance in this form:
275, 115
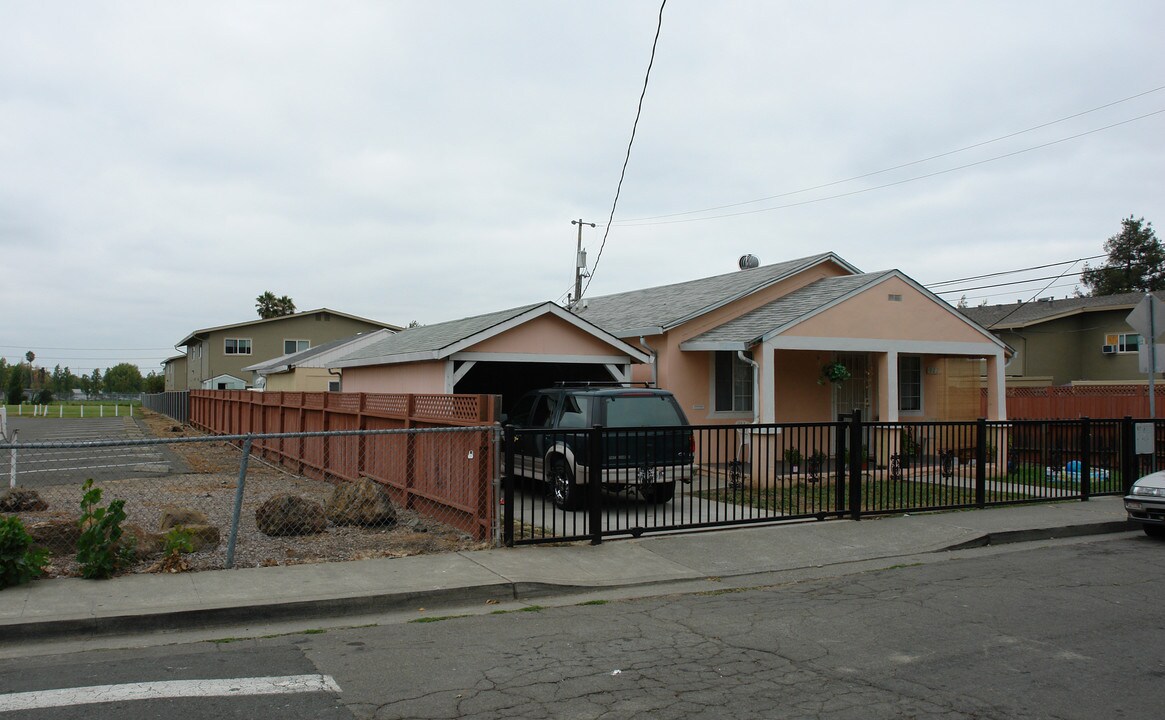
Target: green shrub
100, 551
178, 540
18, 561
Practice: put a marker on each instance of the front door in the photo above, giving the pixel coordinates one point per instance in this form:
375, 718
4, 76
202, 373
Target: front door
854, 393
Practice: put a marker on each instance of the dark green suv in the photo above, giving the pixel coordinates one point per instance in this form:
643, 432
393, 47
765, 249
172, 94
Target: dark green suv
648, 445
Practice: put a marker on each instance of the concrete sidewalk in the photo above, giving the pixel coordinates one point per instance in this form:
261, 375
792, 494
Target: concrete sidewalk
72, 608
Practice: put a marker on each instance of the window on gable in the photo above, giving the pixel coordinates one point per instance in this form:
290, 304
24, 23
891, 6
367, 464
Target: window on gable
733, 383
237, 346
1123, 342
909, 383
294, 346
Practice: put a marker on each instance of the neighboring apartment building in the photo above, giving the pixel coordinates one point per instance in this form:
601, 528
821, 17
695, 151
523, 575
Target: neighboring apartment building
1070, 340
174, 371
216, 357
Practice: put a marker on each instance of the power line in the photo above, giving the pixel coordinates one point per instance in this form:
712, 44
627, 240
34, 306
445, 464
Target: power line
1006, 284
898, 182
931, 286
898, 167
39, 348
1019, 305
627, 157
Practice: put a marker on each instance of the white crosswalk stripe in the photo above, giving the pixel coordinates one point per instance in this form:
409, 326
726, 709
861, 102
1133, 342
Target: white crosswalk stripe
63, 697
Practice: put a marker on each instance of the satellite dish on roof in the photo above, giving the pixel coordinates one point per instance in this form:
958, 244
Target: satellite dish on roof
748, 262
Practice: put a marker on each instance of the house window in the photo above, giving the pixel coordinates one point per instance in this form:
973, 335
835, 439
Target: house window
333, 386
294, 346
733, 383
909, 383
237, 346
1123, 342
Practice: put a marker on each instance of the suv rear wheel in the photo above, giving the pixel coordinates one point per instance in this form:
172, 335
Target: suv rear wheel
567, 495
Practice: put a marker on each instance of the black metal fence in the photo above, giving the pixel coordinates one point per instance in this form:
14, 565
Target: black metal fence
172, 403
738, 475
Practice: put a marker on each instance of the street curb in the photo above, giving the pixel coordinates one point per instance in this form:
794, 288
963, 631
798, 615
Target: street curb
178, 620
1066, 531
93, 627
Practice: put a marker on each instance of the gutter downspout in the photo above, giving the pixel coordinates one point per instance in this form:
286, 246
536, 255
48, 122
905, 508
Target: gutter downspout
654, 358
755, 385
339, 374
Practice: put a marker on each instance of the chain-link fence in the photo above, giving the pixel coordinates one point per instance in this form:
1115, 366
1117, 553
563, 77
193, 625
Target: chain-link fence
199, 502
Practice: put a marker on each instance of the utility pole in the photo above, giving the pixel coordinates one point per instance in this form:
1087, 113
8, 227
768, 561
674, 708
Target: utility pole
580, 262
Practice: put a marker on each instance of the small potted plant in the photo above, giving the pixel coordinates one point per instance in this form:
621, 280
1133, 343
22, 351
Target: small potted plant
834, 372
817, 462
909, 447
793, 460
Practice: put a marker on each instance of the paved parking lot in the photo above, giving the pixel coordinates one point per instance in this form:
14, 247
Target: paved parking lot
74, 462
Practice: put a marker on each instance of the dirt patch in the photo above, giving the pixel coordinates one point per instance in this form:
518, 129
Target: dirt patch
209, 482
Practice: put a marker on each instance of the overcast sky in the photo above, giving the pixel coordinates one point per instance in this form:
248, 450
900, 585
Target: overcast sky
162, 164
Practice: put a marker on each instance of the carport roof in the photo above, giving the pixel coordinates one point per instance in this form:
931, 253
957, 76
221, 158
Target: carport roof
651, 311
434, 342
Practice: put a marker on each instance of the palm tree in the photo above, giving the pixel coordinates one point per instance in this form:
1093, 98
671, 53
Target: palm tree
270, 306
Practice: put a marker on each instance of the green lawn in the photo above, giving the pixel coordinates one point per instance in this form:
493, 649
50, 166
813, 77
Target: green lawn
1036, 476
76, 409
880, 494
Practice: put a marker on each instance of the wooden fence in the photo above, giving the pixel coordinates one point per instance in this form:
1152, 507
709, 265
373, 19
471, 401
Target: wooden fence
448, 476
1070, 402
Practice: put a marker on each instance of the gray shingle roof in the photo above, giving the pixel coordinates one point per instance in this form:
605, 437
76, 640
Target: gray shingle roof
304, 357
1021, 315
429, 339
750, 327
249, 323
635, 312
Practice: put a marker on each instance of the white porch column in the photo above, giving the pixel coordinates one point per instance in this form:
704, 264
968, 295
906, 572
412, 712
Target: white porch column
996, 387
890, 380
767, 392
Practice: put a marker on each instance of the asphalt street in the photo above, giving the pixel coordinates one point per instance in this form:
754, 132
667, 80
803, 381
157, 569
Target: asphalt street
1050, 629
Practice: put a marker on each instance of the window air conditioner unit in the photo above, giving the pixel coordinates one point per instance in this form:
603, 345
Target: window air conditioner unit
1108, 349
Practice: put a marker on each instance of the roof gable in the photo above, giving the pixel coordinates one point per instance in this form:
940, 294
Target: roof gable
435, 342
812, 301
282, 318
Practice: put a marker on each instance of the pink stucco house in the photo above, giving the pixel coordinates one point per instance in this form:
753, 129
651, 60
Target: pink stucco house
755, 345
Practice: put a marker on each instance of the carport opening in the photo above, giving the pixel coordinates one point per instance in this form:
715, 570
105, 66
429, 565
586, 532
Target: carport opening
512, 380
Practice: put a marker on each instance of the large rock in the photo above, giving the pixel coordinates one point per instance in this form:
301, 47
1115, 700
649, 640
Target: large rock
203, 537
290, 515
364, 502
58, 536
21, 499
173, 517
144, 543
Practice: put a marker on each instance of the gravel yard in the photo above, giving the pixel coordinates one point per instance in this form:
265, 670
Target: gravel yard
204, 478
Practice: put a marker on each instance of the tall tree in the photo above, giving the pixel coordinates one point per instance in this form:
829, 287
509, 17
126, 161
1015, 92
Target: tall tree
270, 306
123, 378
154, 383
1136, 262
15, 390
